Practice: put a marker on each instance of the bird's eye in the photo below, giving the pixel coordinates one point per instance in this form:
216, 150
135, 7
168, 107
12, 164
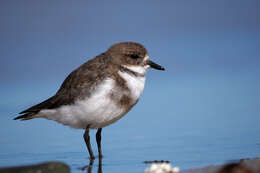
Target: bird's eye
134, 56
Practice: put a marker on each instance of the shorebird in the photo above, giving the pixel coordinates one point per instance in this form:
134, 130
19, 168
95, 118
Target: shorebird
99, 92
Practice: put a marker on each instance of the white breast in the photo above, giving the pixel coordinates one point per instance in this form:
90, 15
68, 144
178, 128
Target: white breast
134, 83
97, 111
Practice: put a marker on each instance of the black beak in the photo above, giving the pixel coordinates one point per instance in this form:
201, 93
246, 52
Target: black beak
155, 66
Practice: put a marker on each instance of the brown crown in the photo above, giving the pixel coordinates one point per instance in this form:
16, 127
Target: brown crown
123, 53
127, 48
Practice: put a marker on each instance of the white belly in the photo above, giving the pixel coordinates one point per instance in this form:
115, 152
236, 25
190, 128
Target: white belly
95, 112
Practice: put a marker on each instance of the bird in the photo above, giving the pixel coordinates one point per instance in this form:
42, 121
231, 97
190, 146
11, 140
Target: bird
99, 92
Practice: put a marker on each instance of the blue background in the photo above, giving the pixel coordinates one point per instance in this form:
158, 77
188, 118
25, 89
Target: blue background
204, 109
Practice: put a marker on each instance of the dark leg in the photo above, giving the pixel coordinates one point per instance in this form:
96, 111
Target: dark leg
88, 167
98, 138
87, 141
100, 165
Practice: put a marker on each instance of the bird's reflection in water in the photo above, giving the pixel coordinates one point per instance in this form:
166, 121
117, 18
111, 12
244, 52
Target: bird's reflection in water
90, 165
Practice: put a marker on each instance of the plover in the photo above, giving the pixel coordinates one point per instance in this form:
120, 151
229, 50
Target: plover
99, 92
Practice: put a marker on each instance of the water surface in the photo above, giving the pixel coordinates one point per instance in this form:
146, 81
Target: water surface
191, 122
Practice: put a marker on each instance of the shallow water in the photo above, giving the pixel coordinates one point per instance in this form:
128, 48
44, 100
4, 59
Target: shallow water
191, 122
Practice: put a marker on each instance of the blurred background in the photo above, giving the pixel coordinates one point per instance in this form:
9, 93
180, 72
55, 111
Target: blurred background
204, 109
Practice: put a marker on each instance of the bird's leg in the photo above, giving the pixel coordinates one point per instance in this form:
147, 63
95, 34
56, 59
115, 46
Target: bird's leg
90, 165
98, 138
87, 141
100, 165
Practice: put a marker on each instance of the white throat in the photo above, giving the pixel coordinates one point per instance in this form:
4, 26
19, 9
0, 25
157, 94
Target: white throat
136, 68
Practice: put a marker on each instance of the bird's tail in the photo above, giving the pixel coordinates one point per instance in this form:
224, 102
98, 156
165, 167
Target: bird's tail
26, 116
